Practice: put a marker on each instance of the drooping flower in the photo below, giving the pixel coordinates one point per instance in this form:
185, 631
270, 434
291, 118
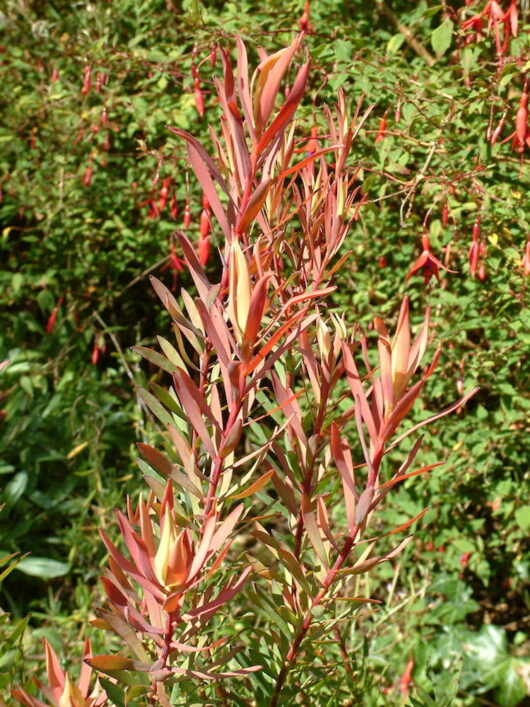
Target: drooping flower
428, 262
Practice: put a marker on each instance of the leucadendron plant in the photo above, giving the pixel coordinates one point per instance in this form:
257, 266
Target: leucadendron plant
278, 420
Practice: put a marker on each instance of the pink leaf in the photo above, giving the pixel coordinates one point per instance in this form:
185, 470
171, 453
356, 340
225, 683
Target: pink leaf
286, 112
56, 677
210, 607
344, 462
226, 527
270, 73
254, 487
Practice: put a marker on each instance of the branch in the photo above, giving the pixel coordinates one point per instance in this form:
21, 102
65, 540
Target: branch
411, 40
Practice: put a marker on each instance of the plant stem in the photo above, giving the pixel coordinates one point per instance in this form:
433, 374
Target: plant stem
308, 618
218, 461
292, 653
308, 479
411, 40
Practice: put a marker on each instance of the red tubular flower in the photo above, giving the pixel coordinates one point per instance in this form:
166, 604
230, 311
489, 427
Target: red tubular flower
303, 22
521, 121
187, 215
498, 129
475, 24
525, 262
512, 18
204, 250
51, 321
204, 224
153, 207
175, 264
174, 208
473, 257
521, 135
311, 145
100, 81
164, 193
496, 17
427, 262
95, 353
88, 176
199, 99
405, 681
445, 213
464, 559
87, 82
382, 128
53, 316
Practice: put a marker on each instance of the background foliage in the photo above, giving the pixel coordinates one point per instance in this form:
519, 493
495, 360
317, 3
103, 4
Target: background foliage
84, 219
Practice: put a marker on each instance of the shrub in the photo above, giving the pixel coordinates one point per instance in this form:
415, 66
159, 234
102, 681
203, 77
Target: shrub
256, 347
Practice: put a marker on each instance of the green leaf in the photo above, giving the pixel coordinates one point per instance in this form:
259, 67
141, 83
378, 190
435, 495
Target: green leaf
18, 631
441, 37
15, 488
343, 50
486, 656
394, 43
11, 566
156, 358
512, 688
156, 408
113, 691
522, 516
43, 567
16, 282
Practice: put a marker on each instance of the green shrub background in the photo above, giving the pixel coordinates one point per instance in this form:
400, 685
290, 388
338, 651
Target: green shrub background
94, 245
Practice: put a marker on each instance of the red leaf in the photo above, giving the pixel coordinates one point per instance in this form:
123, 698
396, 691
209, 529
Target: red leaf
344, 462
270, 73
286, 112
256, 310
157, 460
210, 607
402, 477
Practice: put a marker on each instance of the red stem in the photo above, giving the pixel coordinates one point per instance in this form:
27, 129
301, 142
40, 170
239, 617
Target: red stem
218, 461
308, 618
292, 653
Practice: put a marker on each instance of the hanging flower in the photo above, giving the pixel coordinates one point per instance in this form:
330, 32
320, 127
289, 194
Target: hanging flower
427, 262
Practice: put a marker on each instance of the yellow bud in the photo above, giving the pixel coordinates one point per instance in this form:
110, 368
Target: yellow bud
71, 696
167, 542
400, 352
323, 338
240, 290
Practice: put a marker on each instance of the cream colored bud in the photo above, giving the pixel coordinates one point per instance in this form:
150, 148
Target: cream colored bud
71, 696
167, 542
324, 339
240, 290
